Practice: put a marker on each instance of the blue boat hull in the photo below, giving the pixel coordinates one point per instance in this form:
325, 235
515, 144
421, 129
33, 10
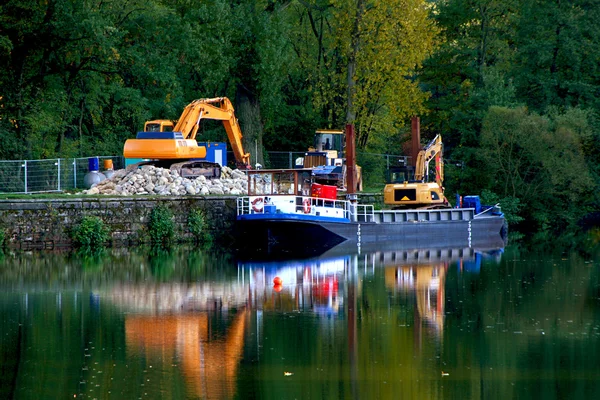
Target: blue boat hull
295, 236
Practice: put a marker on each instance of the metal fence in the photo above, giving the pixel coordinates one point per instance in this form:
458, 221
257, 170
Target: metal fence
53, 175
287, 159
60, 174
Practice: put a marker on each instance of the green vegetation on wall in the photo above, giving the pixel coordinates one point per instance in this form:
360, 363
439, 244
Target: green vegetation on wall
161, 227
198, 226
90, 233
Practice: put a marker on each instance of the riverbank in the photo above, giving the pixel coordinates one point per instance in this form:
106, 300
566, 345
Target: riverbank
45, 223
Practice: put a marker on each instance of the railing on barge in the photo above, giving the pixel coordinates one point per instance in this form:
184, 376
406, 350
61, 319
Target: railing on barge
442, 214
363, 212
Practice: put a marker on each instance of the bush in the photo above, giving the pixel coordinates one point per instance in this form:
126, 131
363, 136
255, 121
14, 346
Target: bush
510, 206
198, 226
374, 167
161, 227
91, 232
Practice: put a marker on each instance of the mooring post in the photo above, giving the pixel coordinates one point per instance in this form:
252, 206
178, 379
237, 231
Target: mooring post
415, 139
351, 170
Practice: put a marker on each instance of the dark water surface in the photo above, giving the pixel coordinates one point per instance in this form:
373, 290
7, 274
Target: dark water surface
187, 324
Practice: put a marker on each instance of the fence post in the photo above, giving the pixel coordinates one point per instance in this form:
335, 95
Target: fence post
74, 173
290, 160
25, 165
58, 165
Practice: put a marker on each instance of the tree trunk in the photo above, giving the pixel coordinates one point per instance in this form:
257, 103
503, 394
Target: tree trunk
248, 114
350, 78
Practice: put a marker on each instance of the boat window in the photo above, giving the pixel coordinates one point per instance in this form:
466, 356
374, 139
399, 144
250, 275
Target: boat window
304, 183
260, 184
283, 183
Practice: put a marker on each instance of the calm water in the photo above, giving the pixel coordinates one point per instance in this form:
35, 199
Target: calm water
438, 324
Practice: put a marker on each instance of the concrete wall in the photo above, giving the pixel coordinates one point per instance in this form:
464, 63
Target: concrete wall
45, 223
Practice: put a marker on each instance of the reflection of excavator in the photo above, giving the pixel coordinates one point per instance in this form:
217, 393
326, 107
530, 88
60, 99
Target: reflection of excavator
175, 147
209, 365
410, 186
427, 282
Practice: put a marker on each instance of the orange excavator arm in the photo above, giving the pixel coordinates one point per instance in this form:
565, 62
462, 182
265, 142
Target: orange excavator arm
218, 108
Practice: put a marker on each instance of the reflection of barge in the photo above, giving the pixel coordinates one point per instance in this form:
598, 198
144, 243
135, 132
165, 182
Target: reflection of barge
285, 214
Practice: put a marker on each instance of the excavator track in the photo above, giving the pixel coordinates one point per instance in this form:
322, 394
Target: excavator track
189, 169
193, 169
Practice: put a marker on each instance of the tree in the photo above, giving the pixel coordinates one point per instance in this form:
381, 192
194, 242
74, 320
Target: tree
557, 58
539, 160
364, 58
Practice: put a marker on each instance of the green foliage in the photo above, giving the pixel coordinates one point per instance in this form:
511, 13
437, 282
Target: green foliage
540, 161
510, 206
557, 54
2, 237
374, 168
90, 233
198, 226
161, 227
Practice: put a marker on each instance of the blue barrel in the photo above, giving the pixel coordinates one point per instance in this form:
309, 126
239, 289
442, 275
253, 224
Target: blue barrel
93, 164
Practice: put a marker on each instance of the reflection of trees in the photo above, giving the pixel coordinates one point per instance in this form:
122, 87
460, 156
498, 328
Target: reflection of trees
70, 270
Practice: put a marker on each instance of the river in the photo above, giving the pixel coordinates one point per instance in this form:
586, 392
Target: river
184, 324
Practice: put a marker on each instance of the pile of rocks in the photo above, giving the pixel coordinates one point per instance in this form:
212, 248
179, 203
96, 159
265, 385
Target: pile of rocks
152, 180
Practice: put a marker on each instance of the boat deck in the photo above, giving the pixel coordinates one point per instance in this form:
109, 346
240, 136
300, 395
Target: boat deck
345, 209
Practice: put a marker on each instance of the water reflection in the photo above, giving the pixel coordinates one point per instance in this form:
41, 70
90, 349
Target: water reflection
418, 323
426, 283
209, 365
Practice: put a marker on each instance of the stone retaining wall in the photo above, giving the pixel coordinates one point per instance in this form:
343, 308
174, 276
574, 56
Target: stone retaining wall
45, 223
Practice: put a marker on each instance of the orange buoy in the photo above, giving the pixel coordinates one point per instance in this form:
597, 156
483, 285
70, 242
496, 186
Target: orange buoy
277, 288
277, 280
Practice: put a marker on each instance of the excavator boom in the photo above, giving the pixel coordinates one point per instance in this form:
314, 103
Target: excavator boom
432, 151
218, 108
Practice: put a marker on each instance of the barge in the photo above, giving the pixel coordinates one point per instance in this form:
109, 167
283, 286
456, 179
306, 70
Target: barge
286, 213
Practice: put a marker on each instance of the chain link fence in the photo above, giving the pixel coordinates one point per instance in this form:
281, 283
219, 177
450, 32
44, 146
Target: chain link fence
60, 174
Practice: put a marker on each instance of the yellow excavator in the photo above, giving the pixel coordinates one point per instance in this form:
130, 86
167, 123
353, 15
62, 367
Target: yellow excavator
327, 159
410, 187
175, 147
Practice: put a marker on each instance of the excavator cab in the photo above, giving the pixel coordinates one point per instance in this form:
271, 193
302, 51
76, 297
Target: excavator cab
159, 125
327, 140
401, 173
